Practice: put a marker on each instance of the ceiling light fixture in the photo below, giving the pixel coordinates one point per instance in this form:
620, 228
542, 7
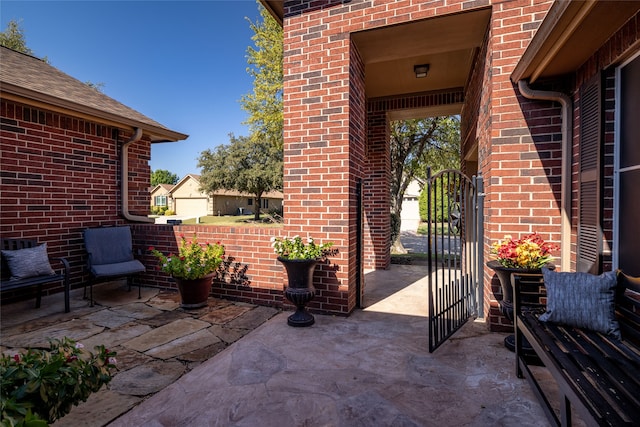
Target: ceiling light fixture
421, 70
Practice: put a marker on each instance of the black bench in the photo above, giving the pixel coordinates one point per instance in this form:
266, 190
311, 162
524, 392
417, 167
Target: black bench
9, 284
596, 374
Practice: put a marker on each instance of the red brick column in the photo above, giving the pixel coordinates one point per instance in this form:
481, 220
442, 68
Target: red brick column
520, 155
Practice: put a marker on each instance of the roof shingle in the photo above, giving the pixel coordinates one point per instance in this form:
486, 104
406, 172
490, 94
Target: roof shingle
28, 77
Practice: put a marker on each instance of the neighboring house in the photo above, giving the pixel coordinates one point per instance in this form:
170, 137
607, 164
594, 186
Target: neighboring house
189, 200
161, 197
72, 158
548, 97
410, 214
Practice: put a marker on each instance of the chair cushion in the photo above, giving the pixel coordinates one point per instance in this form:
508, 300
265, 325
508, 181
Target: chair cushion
29, 262
582, 300
117, 269
108, 245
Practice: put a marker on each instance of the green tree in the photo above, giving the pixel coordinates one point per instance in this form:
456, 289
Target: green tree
416, 144
264, 103
13, 38
243, 165
162, 176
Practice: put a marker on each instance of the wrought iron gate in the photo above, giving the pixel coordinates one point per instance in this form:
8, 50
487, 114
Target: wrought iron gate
455, 206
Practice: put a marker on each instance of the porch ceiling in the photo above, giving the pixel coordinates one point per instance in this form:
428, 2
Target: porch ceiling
448, 44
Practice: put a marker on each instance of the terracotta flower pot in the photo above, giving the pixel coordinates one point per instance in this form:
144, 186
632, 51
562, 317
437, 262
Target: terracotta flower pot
194, 293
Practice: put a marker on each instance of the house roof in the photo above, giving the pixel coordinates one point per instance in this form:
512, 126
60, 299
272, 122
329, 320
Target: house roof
166, 187
569, 34
275, 8
228, 193
25, 78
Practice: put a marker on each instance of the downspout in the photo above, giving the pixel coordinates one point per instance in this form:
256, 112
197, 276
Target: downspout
124, 179
565, 171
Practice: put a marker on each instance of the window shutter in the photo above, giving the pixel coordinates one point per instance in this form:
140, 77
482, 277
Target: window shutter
589, 196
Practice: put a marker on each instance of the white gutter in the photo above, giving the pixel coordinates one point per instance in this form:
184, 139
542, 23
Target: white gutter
565, 171
124, 179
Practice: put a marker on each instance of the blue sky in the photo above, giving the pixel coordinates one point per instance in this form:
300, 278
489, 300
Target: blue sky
181, 63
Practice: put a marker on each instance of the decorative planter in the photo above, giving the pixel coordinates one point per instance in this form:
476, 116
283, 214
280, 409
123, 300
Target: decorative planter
194, 293
506, 304
300, 289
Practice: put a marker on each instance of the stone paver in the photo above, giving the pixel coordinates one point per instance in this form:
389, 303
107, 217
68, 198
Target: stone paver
166, 333
99, 409
137, 310
251, 319
148, 378
115, 337
75, 329
108, 318
196, 341
225, 314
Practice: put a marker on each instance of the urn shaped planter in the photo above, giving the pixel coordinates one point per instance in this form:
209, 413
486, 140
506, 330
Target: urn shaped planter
300, 289
506, 304
194, 293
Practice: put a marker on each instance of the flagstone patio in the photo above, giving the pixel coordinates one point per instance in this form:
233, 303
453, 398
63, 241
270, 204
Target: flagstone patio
235, 364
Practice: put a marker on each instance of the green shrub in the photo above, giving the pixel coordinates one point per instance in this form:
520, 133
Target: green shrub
41, 386
169, 212
440, 204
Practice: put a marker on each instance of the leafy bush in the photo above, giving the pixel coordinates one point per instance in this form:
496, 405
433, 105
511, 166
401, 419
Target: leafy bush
295, 248
193, 261
440, 204
169, 212
40, 386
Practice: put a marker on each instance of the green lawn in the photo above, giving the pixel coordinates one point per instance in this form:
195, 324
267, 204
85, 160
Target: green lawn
239, 220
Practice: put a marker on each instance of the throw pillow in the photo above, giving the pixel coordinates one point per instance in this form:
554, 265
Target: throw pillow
582, 300
28, 262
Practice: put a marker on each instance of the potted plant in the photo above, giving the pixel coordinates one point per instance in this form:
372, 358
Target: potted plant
193, 268
40, 386
525, 255
299, 260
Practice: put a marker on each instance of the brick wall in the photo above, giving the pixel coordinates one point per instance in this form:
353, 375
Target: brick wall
60, 174
253, 273
323, 126
519, 155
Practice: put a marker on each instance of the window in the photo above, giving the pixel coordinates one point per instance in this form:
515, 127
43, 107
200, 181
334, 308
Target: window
161, 201
627, 168
249, 202
265, 203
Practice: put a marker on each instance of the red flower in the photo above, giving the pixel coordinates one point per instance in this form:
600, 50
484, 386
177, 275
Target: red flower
151, 248
16, 357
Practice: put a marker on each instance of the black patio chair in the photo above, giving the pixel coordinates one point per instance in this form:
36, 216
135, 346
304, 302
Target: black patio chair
110, 256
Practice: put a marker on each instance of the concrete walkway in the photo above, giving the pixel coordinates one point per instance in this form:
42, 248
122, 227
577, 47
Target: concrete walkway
370, 369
